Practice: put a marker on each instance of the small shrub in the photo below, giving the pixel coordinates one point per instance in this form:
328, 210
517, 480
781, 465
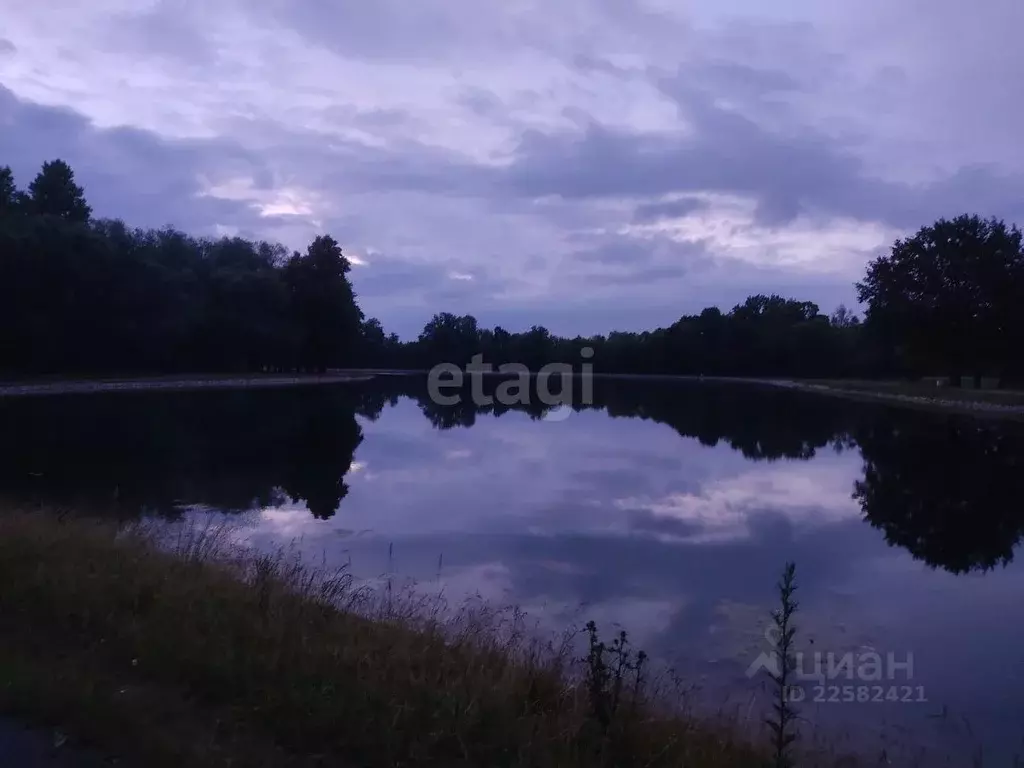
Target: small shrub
614, 678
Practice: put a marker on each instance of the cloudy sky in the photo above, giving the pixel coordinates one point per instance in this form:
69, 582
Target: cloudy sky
581, 164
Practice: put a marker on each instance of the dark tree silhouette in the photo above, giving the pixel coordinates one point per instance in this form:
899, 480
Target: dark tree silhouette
323, 303
317, 452
844, 318
85, 296
949, 297
10, 198
949, 489
766, 335
79, 295
763, 423
161, 452
449, 338
54, 192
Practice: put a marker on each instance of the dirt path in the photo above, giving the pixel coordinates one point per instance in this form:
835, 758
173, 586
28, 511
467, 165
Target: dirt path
24, 389
974, 407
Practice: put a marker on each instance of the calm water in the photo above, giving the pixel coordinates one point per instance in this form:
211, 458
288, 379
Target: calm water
666, 507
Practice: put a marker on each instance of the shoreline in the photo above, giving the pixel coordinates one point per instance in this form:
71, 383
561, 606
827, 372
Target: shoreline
867, 391
173, 384
981, 408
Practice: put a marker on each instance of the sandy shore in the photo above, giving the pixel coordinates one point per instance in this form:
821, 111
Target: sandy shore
165, 383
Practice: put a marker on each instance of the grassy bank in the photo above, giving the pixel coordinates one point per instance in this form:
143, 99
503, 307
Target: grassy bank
201, 655
926, 389
982, 402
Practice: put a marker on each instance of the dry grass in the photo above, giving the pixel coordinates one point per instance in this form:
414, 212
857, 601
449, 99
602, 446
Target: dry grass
194, 652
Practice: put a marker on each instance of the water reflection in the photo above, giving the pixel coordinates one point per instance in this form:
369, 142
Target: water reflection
945, 488
130, 453
760, 422
667, 507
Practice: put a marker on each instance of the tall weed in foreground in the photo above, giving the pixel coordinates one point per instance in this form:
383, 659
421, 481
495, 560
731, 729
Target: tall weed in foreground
614, 679
781, 723
610, 670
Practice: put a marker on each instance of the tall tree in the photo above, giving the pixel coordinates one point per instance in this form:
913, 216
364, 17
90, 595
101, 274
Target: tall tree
950, 296
54, 192
324, 305
9, 194
80, 295
449, 338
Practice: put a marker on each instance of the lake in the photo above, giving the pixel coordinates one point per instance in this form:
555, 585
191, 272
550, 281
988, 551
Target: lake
666, 507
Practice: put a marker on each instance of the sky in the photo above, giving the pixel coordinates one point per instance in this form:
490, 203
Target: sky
586, 165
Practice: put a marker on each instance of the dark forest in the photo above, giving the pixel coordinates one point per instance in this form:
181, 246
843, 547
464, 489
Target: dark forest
87, 296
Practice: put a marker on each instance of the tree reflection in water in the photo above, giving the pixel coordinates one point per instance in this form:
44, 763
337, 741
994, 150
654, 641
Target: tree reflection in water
946, 488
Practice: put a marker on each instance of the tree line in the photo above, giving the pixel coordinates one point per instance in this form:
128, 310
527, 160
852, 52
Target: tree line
86, 295
764, 336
